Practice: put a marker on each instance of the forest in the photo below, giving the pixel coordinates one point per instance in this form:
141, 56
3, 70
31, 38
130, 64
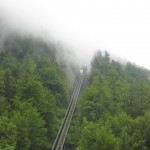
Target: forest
34, 93
113, 110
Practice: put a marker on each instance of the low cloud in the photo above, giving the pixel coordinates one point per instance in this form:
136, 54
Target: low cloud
120, 27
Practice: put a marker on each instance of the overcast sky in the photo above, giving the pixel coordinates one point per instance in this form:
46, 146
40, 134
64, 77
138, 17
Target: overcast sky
122, 27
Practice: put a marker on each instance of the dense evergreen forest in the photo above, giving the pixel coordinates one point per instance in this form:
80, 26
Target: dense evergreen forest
34, 92
113, 112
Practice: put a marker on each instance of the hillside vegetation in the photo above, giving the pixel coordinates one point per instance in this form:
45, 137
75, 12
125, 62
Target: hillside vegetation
114, 110
33, 94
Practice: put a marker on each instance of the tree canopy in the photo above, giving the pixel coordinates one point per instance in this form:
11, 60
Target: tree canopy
114, 109
33, 93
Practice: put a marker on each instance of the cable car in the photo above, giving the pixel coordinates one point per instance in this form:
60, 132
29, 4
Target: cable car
81, 71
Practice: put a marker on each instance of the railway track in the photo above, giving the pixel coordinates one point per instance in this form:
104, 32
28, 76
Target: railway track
61, 136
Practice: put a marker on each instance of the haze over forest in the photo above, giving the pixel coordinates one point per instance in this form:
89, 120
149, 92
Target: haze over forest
44, 46
120, 27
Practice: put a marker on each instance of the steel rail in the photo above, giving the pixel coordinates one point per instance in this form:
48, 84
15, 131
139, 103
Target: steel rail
61, 136
67, 124
61, 127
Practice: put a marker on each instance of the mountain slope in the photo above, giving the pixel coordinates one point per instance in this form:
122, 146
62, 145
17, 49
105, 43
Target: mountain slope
113, 111
34, 92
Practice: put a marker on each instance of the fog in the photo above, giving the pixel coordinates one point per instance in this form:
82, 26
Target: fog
83, 26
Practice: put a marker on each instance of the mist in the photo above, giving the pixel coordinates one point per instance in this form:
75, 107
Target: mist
83, 26
22, 41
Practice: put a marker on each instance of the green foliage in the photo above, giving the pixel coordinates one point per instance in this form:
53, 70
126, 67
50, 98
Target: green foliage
33, 94
120, 87
97, 137
113, 112
8, 134
115, 132
31, 131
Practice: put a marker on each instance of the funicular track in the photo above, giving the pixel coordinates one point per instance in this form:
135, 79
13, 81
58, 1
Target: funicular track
60, 139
